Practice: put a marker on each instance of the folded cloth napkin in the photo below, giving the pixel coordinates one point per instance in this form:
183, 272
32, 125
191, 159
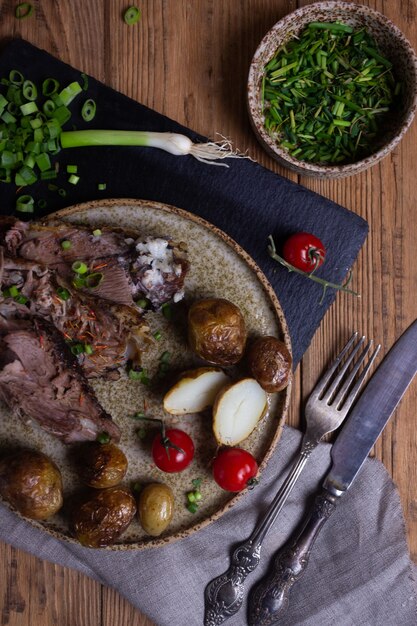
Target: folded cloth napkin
359, 573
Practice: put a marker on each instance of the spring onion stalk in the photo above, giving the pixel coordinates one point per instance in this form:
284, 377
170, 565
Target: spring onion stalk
174, 143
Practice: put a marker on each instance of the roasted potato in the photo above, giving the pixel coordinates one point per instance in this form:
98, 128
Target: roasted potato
101, 465
217, 331
101, 519
155, 508
270, 363
32, 483
195, 390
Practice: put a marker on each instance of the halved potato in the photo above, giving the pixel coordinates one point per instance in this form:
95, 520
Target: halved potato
195, 391
237, 410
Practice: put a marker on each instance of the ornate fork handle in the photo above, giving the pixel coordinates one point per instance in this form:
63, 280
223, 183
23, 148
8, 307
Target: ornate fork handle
270, 598
224, 594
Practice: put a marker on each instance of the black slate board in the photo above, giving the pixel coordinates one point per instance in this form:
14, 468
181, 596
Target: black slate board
246, 200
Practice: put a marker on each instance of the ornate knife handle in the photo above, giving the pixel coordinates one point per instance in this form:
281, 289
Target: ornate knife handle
270, 598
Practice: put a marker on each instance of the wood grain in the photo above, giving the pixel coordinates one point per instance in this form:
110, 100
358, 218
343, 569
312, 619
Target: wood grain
189, 60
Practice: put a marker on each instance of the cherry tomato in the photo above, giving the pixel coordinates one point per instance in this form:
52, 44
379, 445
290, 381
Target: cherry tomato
304, 251
234, 469
172, 452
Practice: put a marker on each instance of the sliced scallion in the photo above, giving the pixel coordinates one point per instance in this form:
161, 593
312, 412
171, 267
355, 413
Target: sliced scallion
132, 15
70, 92
74, 179
79, 267
88, 111
23, 10
25, 204
66, 244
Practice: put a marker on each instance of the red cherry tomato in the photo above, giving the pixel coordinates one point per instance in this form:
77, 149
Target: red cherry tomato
174, 452
234, 469
304, 251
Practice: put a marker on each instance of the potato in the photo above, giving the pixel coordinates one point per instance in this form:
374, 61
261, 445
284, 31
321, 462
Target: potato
156, 508
237, 411
270, 363
103, 517
32, 483
217, 331
102, 465
195, 390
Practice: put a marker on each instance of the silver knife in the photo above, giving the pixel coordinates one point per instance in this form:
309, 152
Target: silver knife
270, 598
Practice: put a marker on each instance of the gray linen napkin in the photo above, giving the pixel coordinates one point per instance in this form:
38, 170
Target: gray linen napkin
359, 574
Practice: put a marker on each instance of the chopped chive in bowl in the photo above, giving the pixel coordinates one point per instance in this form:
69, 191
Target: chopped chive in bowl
326, 93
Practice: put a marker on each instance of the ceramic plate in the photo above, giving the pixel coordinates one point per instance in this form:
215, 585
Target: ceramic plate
220, 268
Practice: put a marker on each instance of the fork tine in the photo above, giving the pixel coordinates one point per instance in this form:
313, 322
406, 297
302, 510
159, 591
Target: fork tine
324, 380
328, 395
340, 396
358, 385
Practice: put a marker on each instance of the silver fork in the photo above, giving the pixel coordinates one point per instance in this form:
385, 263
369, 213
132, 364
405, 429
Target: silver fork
327, 407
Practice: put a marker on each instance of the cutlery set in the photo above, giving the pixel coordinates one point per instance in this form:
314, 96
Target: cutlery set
334, 398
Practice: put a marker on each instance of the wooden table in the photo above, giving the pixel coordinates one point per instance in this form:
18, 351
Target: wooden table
189, 60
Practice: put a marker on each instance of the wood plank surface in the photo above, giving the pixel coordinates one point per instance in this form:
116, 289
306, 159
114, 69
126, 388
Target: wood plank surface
189, 60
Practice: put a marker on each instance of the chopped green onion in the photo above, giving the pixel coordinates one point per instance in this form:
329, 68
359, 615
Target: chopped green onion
43, 161
63, 294
88, 110
325, 94
134, 374
166, 311
157, 335
14, 291
66, 244
94, 280
30, 91
50, 86
140, 375
49, 175
68, 94
192, 507
72, 169
78, 282
73, 179
139, 415
16, 77
101, 186
103, 437
85, 81
23, 10
97, 232
88, 349
79, 267
25, 204
21, 299
42, 204
165, 357
29, 108
62, 192
132, 15
142, 303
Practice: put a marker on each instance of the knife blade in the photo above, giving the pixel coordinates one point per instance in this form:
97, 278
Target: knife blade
372, 411
270, 598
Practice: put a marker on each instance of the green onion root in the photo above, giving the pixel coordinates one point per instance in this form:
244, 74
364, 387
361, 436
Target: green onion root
174, 143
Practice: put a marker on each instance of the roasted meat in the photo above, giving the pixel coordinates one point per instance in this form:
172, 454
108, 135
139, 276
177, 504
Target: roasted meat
126, 269
40, 379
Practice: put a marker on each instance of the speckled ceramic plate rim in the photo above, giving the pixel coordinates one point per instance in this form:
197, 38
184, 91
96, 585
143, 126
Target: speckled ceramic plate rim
270, 293
283, 157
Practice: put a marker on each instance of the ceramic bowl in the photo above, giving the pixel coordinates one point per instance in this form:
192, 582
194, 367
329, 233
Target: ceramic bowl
392, 44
